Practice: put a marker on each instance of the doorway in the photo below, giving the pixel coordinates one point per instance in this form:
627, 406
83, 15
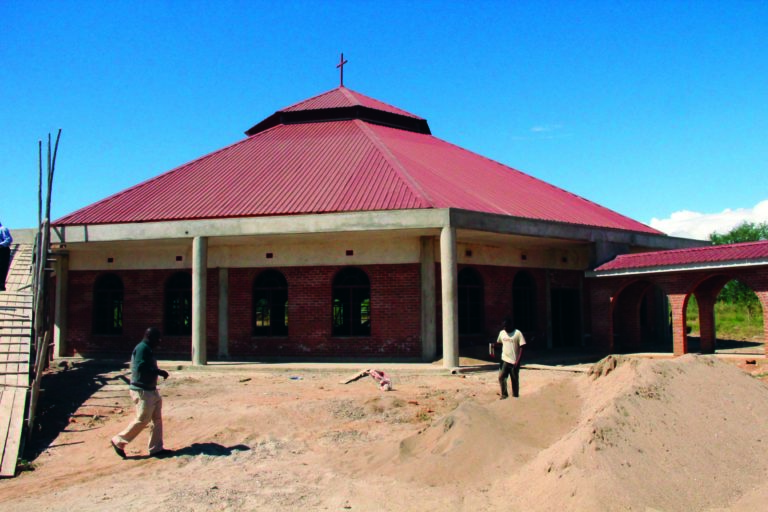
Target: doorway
566, 318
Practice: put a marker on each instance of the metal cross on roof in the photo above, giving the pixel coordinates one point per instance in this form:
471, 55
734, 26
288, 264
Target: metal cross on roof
340, 65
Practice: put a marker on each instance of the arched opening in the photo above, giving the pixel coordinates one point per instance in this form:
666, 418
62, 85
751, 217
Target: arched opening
270, 304
351, 311
108, 305
641, 319
178, 305
471, 302
524, 302
726, 317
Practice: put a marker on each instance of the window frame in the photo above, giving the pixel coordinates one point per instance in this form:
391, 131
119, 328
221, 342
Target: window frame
270, 286
471, 302
351, 304
177, 323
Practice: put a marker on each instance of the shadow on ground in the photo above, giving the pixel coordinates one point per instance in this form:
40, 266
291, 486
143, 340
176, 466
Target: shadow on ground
62, 392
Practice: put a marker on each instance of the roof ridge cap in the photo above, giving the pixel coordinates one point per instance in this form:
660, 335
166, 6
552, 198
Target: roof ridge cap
349, 95
396, 164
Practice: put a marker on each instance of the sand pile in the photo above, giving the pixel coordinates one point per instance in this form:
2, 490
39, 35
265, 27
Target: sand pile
682, 434
636, 434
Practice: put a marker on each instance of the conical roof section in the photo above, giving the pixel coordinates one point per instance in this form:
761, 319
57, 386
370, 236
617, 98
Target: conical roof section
343, 97
341, 104
342, 151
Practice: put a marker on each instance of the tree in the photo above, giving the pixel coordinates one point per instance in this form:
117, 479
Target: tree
744, 232
735, 292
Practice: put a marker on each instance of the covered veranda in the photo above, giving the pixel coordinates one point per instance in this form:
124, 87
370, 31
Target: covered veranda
640, 300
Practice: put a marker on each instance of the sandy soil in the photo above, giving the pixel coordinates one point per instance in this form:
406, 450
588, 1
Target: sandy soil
632, 434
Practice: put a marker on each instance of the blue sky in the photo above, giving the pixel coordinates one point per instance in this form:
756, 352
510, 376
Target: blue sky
658, 110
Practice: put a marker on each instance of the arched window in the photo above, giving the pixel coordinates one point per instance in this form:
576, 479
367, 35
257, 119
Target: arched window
178, 305
108, 305
524, 301
270, 304
351, 303
471, 302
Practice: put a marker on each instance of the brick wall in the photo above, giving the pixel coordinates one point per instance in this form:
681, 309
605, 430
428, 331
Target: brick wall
497, 284
395, 314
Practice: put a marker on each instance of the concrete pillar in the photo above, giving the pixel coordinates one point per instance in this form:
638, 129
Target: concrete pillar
223, 313
199, 281
60, 315
428, 327
450, 293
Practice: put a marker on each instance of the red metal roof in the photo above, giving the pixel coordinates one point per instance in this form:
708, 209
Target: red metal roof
343, 97
343, 166
683, 257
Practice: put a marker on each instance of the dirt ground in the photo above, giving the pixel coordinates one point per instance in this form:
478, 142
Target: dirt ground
626, 434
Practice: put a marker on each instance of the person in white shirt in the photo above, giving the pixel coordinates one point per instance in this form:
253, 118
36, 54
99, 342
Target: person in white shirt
512, 341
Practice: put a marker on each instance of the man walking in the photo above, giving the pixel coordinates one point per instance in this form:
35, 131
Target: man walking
512, 341
143, 390
5, 254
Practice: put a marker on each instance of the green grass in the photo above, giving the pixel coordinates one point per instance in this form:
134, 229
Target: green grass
732, 321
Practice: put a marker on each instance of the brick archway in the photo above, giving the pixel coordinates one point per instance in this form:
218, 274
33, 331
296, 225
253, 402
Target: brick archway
680, 274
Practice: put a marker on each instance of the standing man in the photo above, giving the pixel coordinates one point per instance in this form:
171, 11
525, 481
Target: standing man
143, 389
512, 341
5, 254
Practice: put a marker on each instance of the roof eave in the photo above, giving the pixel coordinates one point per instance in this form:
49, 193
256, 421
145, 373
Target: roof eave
711, 265
412, 124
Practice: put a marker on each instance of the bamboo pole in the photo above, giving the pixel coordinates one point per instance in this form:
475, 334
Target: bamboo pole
40, 326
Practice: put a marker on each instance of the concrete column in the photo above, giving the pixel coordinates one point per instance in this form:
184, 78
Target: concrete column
199, 281
428, 327
60, 315
223, 313
450, 293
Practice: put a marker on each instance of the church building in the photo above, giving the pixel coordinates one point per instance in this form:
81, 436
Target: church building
338, 228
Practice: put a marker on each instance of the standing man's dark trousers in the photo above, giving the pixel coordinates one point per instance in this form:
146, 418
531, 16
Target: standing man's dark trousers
513, 371
5, 261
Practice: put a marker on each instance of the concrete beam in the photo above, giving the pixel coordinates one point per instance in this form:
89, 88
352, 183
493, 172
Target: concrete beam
278, 225
505, 224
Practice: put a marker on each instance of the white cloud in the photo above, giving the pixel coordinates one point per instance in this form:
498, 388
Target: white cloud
546, 128
697, 225
544, 132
